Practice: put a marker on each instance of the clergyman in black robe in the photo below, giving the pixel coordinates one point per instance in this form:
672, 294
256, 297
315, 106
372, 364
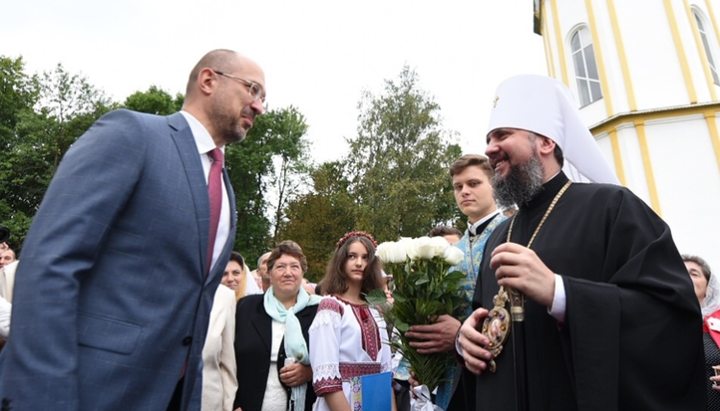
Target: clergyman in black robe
611, 322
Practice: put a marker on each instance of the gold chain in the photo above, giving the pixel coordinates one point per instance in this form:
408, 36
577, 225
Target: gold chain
547, 213
517, 300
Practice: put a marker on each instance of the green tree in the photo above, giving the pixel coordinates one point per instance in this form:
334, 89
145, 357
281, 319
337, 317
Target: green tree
64, 107
400, 160
154, 101
18, 94
316, 220
272, 157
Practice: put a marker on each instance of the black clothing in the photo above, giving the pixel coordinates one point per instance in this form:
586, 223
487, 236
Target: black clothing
253, 339
631, 339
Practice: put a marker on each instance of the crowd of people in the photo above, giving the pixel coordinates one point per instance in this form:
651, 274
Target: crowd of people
129, 294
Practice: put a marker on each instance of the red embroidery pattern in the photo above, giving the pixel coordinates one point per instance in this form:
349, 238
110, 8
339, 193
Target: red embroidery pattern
324, 386
358, 369
332, 305
369, 329
370, 332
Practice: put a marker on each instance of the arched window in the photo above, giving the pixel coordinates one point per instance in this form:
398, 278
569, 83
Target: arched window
705, 37
586, 73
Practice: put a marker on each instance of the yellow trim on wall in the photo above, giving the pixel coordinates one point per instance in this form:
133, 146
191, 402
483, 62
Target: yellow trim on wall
710, 117
604, 85
627, 79
652, 115
560, 45
711, 12
617, 157
647, 165
701, 51
546, 41
681, 52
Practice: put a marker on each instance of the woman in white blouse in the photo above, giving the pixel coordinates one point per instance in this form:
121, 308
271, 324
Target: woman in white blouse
271, 341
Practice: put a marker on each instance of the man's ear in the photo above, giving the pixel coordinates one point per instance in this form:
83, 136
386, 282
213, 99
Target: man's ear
207, 81
547, 146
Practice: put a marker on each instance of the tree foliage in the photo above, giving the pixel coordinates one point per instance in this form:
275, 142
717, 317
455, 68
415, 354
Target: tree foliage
154, 101
399, 162
266, 171
317, 219
42, 116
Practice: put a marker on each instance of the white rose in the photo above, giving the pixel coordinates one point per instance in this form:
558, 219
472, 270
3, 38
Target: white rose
408, 246
398, 252
453, 255
424, 248
384, 251
439, 245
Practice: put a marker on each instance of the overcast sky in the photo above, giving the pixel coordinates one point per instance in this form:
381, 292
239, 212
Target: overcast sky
317, 55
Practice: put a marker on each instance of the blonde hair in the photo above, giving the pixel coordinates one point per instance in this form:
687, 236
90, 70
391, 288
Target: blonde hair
242, 284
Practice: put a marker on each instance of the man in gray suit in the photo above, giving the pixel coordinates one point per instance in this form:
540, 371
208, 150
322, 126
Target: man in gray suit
119, 268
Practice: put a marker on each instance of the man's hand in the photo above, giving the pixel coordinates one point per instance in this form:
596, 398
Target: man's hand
434, 338
295, 374
520, 268
473, 342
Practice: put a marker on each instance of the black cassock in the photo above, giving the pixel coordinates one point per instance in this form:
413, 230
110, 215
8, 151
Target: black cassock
632, 335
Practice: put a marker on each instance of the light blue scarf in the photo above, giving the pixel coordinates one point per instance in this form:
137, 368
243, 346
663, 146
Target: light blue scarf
295, 345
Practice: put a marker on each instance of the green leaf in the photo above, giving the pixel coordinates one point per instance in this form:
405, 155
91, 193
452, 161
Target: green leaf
398, 297
376, 297
401, 326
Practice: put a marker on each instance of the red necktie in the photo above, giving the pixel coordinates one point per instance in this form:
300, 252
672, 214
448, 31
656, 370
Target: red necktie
215, 193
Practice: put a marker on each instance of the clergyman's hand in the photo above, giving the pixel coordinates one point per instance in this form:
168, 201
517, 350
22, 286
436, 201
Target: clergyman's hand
520, 268
434, 338
473, 343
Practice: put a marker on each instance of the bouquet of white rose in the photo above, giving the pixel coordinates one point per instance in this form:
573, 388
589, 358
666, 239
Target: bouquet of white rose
423, 291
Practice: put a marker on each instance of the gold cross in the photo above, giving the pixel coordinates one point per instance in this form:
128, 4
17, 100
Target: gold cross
496, 100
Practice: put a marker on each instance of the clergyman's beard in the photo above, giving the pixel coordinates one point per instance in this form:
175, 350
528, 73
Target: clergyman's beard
523, 182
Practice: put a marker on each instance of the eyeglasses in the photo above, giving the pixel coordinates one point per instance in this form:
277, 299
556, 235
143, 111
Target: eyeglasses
254, 89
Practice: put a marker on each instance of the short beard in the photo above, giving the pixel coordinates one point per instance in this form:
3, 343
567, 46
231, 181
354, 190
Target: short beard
227, 124
522, 183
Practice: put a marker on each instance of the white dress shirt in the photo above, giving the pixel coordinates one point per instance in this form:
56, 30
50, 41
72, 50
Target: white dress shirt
205, 144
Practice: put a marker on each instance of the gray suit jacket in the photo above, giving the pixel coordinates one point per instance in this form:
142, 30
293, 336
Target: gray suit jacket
112, 296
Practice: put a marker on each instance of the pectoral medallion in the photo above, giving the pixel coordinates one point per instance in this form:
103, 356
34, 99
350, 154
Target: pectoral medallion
496, 326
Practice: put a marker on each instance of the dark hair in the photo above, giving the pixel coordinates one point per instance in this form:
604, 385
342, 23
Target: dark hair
237, 257
443, 230
557, 152
704, 266
4, 234
334, 281
469, 160
290, 248
559, 157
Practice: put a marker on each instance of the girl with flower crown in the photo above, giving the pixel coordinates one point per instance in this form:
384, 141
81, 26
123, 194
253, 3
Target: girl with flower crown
348, 338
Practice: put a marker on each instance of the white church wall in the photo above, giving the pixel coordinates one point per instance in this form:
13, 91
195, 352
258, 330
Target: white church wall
688, 182
632, 161
652, 58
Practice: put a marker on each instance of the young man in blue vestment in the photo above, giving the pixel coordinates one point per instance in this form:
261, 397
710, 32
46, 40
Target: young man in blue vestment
471, 175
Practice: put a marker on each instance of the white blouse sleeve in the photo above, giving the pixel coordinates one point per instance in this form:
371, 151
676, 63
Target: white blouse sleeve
325, 347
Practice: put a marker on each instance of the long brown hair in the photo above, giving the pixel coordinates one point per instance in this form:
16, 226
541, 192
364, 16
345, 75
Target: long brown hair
335, 278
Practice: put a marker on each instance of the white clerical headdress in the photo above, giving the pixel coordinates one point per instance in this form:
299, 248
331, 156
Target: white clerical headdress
545, 106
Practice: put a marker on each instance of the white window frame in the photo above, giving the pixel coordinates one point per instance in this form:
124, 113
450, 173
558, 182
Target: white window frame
587, 76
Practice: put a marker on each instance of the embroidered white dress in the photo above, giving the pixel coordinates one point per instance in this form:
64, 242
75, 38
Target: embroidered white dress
346, 340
